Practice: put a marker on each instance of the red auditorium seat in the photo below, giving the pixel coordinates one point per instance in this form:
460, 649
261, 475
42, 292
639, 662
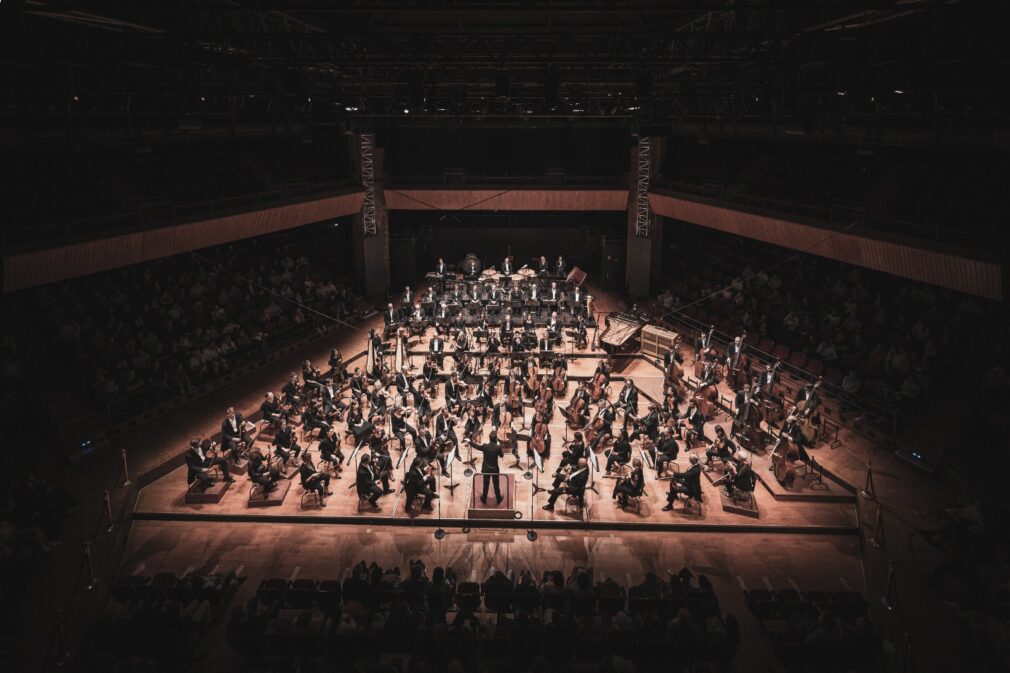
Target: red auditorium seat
815, 366
833, 376
766, 345
798, 360
781, 352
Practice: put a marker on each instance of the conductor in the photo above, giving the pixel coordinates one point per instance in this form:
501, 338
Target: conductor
491, 452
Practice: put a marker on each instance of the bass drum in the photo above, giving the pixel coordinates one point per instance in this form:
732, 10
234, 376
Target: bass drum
471, 265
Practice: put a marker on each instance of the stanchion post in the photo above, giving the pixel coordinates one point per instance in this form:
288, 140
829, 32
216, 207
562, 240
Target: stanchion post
531, 534
107, 514
92, 580
890, 597
127, 482
868, 491
877, 540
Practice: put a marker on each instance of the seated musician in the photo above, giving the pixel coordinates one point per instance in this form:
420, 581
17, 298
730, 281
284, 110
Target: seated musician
628, 398
553, 294
357, 425
581, 333
560, 267
424, 444
403, 382
445, 424
390, 316
722, 448
329, 451
606, 414
554, 328
620, 453
528, 324
667, 451
534, 295
576, 449
546, 348
407, 297
261, 473
417, 316
576, 299
696, 420
484, 392
312, 417
292, 391
332, 406
741, 479
365, 482
417, 482
314, 479
233, 431
647, 425
574, 485
270, 409
687, 483
543, 268
506, 328
358, 384
199, 464
285, 446
382, 462
443, 311
401, 428
453, 389
436, 348
336, 363
631, 486
309, 372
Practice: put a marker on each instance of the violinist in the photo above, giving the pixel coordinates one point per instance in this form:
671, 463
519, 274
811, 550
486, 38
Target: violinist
332, 406
312, 418
403, 382
358, 385
329, 451
424, 445
292, 391
429, 373
261, 473
357, 425
484, 391
648, 425
574, 485
313, 479
722, 448
631, 486
365, 482
270, 409
285, 446
453, 389
490, 453
620, 453
419, 481
445, 424
401, 428
575, 450
382, 462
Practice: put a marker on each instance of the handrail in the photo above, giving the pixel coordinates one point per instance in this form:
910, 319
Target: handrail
155, 212
448, 179
839, 213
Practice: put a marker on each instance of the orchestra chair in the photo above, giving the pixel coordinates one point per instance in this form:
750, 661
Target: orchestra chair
468, 596
498, 602
310, 435
316, 496
745, 492
636, 500
578, 500
688, 499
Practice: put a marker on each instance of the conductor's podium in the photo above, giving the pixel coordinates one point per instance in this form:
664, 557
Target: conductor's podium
493, 509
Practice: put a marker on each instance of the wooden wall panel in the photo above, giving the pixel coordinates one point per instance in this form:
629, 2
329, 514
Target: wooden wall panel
507, 199
29, 269
964, 274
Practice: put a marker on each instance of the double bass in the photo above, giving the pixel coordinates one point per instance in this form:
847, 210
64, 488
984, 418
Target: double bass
784, 455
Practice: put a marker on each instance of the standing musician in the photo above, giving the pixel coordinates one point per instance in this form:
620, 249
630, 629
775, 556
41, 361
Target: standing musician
365, 482
199, 463
686, 483
440, 266
506, 267
768, 378
807, 398
543, 266
554, 328
559, 267
490, 453
390, 316
407, 297
233, 431
631, 486
546, 348
574, 485
733, 352
417, 482
313, 479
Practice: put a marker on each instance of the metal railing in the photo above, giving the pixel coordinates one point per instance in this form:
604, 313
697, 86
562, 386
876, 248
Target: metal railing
157, 212
547, 180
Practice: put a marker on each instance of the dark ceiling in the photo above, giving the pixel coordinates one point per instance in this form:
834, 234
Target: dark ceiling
883, 66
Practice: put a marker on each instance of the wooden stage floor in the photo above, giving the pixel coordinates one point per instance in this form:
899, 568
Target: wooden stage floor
830, 512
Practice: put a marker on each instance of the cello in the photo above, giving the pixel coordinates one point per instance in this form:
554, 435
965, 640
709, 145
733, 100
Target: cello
560, 380
538, 437
599, 384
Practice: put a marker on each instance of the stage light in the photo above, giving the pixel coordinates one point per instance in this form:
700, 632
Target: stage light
406, 111
76, 99
898, 91
632, 108
840, 93
351, 108
203, 99
308, 99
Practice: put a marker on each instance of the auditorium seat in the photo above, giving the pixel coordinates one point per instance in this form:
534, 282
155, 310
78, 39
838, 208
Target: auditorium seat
815, 367
798, 360
782, 352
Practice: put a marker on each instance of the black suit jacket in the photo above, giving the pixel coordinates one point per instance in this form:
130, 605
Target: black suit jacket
577, 482
691, 480
226, 430
364, 479
490, 453
194, 464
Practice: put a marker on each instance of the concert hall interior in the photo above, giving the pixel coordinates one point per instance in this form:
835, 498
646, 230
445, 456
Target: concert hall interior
406, 336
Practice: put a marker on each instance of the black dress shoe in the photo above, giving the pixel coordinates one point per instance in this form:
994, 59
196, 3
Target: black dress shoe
483, 499
498, 499
427, 508
549, 507
667, 508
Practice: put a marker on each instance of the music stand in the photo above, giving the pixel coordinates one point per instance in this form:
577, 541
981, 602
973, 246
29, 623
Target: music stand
449, 460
